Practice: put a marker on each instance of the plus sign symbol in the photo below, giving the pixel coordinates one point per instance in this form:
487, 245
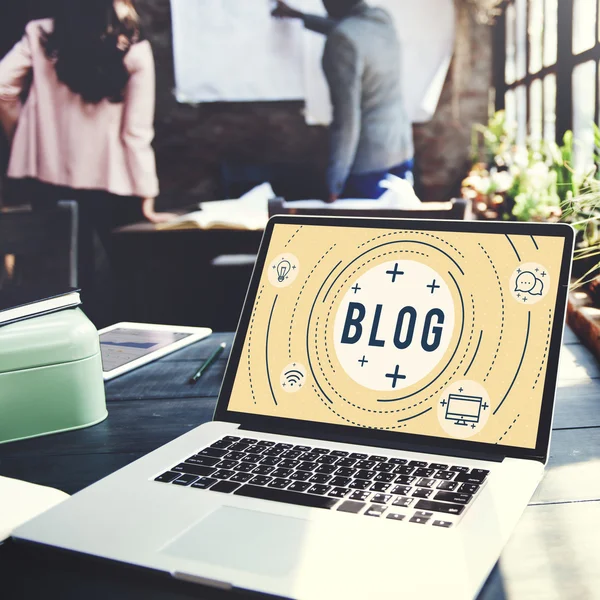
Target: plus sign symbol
433, 286
394, 322
394, 272
395, 376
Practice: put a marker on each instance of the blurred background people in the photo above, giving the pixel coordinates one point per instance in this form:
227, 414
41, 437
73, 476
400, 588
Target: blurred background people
370, 135
85, 127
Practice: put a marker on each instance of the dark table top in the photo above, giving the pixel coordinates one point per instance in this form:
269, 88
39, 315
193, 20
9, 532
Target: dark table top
553, 553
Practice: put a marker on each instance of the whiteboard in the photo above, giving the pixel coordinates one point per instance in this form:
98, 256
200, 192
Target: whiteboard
234, 51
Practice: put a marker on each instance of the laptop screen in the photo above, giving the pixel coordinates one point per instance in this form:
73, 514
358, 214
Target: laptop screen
437, 333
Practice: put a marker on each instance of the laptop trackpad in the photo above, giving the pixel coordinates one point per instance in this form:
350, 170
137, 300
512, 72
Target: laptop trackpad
243, 539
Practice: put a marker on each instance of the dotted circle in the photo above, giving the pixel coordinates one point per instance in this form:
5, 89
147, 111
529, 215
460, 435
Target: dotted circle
399, 410
298, 298
293, 236
414, 232
509, 428
249, 343
545, 349
349, 420
502, 314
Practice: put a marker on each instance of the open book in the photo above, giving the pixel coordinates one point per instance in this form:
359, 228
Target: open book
250, 211
21, 501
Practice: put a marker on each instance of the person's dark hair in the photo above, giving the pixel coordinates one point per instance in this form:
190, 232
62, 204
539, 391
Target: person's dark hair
339, 8
88, 44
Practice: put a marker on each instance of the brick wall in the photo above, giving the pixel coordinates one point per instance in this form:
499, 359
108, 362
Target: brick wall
442, 144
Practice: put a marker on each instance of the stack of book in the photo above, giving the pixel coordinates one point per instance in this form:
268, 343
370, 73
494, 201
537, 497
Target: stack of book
20, 303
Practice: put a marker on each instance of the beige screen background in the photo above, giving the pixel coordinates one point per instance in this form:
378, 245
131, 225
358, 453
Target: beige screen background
475, 370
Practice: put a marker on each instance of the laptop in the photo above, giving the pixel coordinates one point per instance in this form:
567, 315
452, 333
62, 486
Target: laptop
384, 418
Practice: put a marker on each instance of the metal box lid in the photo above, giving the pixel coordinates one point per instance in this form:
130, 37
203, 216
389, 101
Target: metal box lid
56, 338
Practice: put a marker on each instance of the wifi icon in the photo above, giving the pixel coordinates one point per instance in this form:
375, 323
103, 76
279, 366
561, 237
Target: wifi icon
293, 377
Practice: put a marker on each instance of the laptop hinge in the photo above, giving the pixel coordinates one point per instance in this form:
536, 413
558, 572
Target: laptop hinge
408, 447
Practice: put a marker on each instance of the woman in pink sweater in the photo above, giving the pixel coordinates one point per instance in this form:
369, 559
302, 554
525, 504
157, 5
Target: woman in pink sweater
85, 129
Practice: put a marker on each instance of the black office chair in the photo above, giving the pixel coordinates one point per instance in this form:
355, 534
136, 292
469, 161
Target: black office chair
39, 247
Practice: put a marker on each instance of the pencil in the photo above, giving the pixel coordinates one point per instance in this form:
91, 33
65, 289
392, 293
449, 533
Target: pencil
207, 363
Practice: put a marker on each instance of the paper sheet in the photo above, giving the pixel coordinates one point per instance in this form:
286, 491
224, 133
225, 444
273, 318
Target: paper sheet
250, 211
233, 50
21, 501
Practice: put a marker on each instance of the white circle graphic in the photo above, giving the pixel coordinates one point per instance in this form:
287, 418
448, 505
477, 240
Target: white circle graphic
283, 270
529, 283
292, 377
394, 325
463, 408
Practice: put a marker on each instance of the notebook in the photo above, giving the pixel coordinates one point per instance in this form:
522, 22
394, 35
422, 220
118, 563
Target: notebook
25, 302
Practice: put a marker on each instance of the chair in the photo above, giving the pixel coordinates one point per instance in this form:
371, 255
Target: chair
41, 246
456, 209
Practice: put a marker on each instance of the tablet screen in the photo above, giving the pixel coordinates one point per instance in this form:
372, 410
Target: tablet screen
121, 346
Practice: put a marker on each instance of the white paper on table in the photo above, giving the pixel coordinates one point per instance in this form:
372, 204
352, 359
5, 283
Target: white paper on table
249, 211
21, 501
399, 195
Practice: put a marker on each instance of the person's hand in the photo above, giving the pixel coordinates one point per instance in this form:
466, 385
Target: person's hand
283, 11
331, 198
9, 116
153, 216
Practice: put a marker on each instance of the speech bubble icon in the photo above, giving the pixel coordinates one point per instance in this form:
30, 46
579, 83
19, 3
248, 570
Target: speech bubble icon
525, 282
538, 287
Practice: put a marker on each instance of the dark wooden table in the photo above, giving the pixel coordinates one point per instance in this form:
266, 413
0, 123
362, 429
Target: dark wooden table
164, 276
553, 553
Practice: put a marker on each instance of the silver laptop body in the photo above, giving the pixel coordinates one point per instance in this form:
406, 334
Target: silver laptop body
384, 418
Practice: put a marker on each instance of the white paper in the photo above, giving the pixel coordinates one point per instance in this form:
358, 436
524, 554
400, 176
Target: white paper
233, 50
250, 211
399, 194
21, 501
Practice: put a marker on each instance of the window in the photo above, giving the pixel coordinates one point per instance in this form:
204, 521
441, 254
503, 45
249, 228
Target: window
549, 104
535, 110
548, 54
584, 101
584, 25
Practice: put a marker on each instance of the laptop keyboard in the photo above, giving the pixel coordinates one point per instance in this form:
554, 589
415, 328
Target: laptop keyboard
373, 485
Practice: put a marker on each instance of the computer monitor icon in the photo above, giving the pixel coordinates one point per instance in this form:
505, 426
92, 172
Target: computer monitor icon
463, 409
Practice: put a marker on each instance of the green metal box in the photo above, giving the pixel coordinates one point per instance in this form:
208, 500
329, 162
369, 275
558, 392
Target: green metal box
50, 375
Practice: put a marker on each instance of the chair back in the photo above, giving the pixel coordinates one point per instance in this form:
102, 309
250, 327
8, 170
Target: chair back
38, 247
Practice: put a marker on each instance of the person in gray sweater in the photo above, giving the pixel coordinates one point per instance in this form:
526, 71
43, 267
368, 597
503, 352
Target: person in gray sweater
370, 135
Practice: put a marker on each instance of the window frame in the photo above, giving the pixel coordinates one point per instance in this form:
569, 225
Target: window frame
566, 61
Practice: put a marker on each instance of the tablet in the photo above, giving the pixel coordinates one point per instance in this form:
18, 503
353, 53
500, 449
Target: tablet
126, 346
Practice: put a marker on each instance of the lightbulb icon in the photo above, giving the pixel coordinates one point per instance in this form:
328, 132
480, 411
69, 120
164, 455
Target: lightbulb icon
283, 268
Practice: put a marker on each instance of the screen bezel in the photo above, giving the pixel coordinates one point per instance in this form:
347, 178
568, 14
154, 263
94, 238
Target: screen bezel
406, 441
